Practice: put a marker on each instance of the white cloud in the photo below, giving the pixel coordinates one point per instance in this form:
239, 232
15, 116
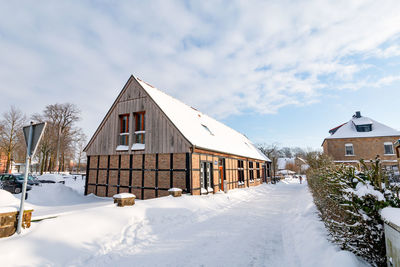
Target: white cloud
223, 57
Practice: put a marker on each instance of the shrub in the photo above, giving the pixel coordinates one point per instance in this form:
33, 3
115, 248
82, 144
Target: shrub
349, 203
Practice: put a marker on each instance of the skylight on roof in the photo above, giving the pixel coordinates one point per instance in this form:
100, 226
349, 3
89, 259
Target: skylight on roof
208, 130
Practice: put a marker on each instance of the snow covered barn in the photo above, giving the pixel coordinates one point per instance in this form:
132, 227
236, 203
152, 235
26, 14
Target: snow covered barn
362, 138
150, 142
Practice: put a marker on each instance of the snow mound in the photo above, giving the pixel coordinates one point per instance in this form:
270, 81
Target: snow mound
55, 195
8, 203
6, 198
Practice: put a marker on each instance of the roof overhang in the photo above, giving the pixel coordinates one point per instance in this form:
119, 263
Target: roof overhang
222, 152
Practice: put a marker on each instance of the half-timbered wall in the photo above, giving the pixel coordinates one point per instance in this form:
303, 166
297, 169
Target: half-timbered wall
161, 135
145, 175
230, 170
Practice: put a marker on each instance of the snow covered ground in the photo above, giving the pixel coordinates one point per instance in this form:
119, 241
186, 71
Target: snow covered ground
269, 225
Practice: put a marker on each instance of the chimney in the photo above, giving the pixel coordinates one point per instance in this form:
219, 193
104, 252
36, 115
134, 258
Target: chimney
358, 114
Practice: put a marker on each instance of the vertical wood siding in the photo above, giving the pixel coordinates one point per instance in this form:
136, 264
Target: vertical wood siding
161, 135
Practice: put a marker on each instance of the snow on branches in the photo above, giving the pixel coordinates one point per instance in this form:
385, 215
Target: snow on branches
349, 202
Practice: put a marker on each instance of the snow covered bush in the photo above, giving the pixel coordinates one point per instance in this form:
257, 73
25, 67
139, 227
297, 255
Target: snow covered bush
349, 203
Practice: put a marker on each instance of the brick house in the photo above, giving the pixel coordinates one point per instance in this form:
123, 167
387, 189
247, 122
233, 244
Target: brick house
149, 142
397, 147
3, 162
362, 138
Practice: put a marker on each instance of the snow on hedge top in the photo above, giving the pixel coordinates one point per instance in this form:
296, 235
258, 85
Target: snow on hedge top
391, 215
201, 130
363, 190
348, 130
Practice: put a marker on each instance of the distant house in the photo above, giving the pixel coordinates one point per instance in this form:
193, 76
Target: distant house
296, 164
397, 147
149, 142
362, 138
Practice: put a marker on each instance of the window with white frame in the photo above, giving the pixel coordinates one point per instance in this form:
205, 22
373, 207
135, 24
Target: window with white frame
349, 150
140, 130
388, 148
123, 133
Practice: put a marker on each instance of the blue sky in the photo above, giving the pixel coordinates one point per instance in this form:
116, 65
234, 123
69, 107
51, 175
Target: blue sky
278, 71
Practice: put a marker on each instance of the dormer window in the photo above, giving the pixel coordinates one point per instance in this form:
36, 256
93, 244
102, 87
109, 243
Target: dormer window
388, 148
349, 150
362, 124
139, 134
364, 128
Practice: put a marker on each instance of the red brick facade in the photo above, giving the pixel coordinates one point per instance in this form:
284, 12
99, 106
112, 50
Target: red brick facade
366, 148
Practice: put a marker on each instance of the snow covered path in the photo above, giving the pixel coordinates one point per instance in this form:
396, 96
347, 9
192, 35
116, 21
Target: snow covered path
269, 225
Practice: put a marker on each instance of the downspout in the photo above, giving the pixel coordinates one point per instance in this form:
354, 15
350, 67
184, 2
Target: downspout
191, 171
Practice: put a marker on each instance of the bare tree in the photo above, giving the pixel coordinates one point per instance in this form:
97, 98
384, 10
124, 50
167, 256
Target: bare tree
62, 116
286, 152
273, 153
80, 145
58, 143
298, 152
11, 136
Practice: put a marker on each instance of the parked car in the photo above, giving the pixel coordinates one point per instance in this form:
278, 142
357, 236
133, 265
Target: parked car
31, 179
51, 178
13, 183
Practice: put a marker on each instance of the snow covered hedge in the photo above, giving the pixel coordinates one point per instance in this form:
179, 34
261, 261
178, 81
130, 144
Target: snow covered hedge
349, 203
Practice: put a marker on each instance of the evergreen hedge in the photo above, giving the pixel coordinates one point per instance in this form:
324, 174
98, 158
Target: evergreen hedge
349, 203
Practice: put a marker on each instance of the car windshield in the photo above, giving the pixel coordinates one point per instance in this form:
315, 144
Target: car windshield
21, 177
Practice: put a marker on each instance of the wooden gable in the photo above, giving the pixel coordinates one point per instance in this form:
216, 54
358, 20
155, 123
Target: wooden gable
161, 135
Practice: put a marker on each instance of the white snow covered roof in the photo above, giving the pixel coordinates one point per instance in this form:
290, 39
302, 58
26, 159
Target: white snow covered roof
348, 130
201, 130
283, 161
